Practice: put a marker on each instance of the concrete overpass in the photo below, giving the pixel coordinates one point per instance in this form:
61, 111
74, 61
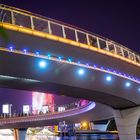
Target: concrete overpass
111, 71
45, 119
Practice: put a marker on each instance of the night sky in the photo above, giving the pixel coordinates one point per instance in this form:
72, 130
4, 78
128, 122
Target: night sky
118, 20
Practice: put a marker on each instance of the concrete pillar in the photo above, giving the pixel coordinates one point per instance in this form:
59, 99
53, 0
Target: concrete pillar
126, 121
20, 134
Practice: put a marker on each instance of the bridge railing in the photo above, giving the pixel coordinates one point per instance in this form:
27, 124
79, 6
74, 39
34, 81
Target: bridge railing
27, 19
56, 109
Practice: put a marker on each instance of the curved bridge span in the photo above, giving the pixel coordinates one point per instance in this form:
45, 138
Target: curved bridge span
44, 119
65, 49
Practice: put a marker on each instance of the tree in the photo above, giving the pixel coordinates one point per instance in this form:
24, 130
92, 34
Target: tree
3, 34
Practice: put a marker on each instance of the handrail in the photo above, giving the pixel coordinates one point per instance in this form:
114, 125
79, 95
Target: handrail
65, 108
48, 116
37, 22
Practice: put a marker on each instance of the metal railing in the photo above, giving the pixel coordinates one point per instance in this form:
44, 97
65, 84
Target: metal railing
75, 110
27, 19
52, 109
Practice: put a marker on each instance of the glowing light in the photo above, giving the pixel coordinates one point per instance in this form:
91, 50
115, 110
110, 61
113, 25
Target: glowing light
84, 124
25, 51
11, 48
114, 71
81, 71
127, 84
42, 64
108, 70
108, 78
94, 66
40, 101
49, 55
60, 58
69, 59
119, 73
37, 53
102, 68
139, 89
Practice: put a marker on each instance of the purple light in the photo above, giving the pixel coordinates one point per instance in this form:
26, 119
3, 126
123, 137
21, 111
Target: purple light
25, 51
124, 75
114, 71
119, 73
94, 66
136, 79
133, 78
11, 48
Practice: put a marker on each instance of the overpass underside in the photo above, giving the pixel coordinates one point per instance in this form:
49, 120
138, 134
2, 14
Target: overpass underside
22, 72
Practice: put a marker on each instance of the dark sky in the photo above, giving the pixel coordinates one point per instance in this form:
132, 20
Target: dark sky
118, 20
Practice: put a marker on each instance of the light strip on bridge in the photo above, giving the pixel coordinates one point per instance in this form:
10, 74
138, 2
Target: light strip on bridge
65, 40
69, 61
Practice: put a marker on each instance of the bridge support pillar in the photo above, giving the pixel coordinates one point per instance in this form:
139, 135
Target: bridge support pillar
20, 134
126, 121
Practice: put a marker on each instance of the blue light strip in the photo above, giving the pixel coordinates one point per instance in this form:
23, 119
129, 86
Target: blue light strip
69, 61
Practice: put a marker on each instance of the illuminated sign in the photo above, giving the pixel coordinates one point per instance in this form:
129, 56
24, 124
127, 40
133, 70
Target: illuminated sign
26, 109
45, 109
43, 101
6, 108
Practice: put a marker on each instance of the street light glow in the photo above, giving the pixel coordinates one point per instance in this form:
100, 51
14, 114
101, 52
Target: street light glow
81, 71
42, 64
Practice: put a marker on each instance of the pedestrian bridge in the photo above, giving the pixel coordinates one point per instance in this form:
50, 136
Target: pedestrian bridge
42, 54
44, 119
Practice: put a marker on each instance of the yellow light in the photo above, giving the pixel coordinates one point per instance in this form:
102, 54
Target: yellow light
84, 124
67, 41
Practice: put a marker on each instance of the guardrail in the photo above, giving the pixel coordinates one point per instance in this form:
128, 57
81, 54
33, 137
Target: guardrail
45, 116
27, 19
48, 110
